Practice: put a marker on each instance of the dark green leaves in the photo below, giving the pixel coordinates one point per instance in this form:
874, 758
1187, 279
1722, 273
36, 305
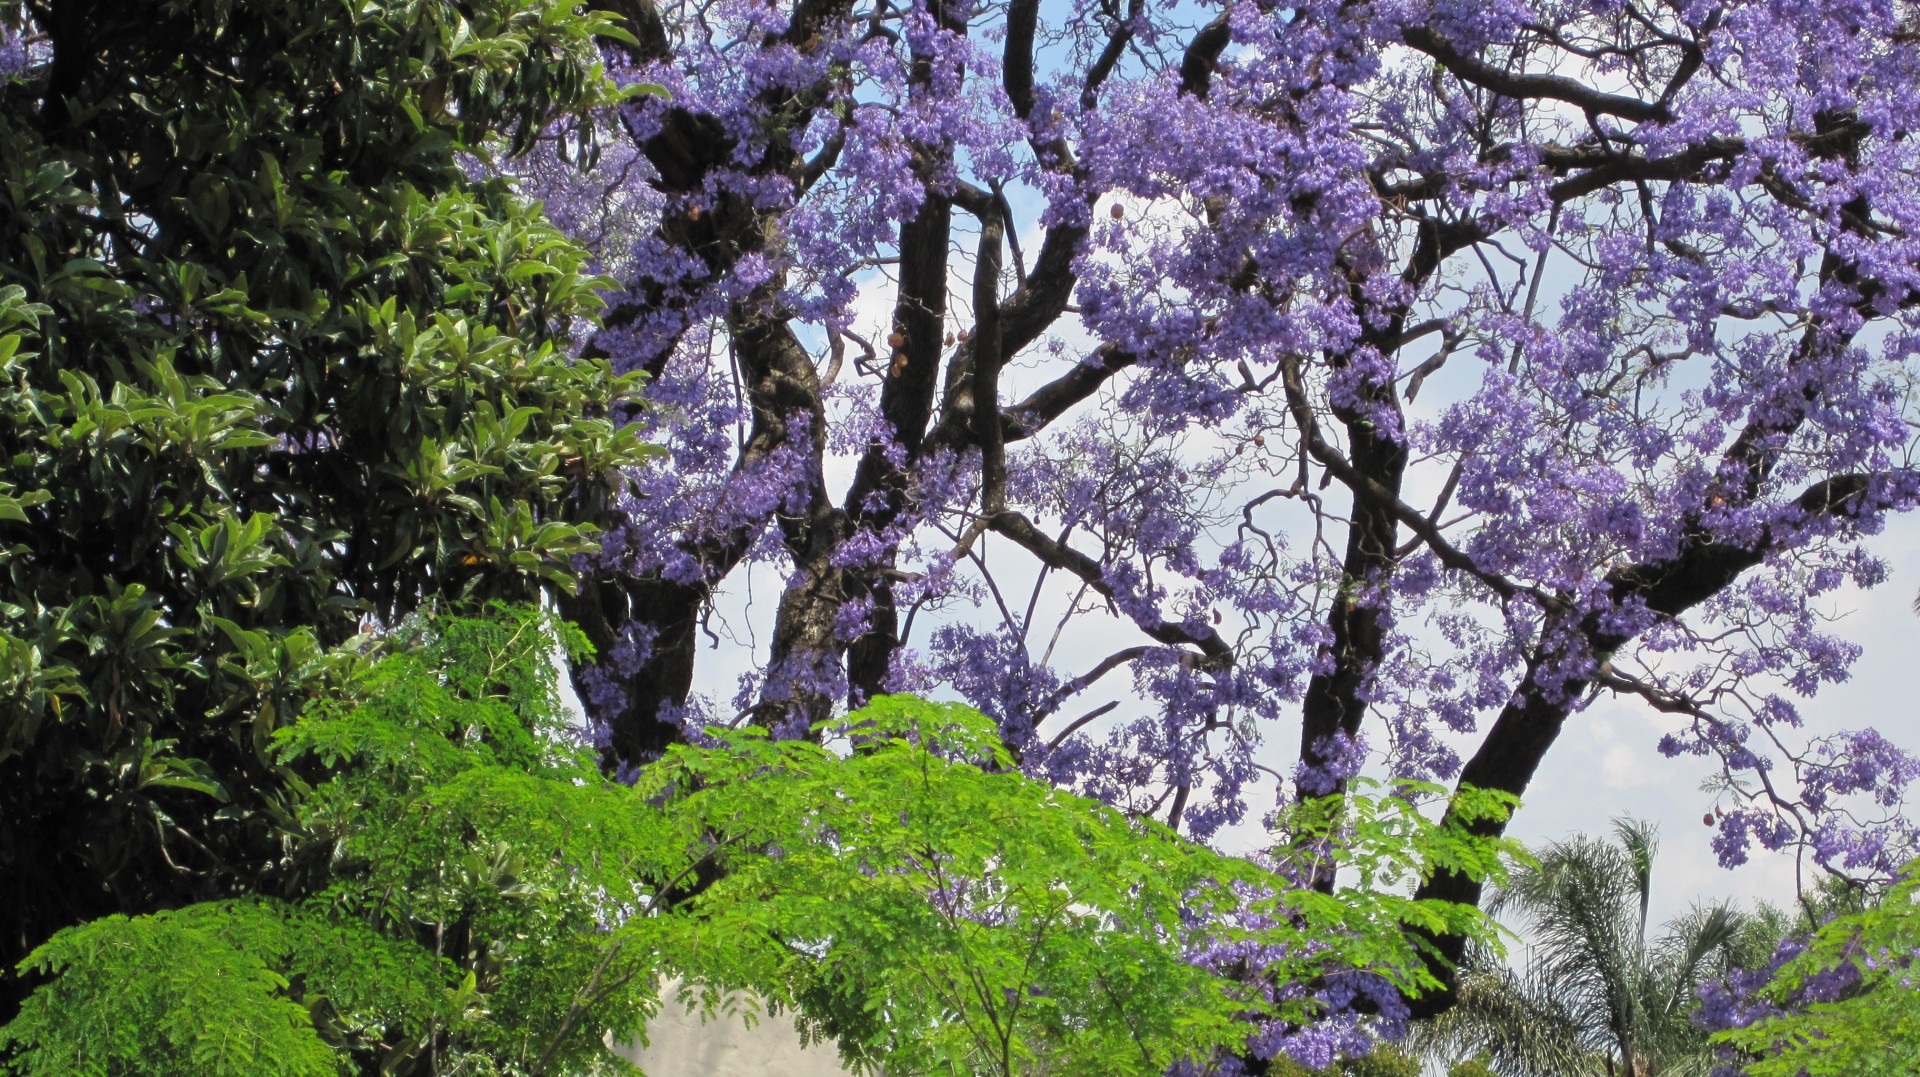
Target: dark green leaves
272, 366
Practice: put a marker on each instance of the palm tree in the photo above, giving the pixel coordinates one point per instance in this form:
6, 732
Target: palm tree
1594, 995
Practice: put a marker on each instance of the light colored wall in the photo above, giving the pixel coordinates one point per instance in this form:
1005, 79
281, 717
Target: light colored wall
679, 1045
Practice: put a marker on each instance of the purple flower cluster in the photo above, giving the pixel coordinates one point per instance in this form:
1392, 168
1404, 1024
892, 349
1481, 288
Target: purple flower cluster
13, 53
1369, 383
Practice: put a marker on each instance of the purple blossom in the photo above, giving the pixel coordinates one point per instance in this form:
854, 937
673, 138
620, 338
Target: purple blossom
13, 53
1343, 387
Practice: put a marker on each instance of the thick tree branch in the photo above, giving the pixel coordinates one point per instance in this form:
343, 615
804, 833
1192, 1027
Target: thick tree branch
1109, 58
1016, 58
987, 432
1202, 55
1527, 727
1514, 84
784, 401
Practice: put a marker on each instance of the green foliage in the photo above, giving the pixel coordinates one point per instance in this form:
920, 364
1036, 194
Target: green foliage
135, 995
1874, 1027
464, 813
943, 915
1385, 1062
464, 866
271, 364
1380, 843
1477, 1066
480, 899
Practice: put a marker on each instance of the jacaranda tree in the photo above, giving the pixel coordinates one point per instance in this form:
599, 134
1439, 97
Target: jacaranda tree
1397, 374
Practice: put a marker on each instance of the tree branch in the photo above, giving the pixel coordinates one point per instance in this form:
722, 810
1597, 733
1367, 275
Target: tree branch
1513, 84
1215, 653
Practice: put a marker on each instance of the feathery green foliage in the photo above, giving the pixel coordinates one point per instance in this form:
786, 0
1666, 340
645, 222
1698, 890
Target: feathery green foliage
476, 897
454, 882
134, 995
271, 363
955, 918
1873, 1029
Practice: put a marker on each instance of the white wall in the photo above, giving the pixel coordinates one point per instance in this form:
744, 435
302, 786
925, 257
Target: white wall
679, 1045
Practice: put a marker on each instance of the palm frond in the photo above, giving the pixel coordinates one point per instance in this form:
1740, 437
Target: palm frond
1641, 842
1592, 986
1525, 1031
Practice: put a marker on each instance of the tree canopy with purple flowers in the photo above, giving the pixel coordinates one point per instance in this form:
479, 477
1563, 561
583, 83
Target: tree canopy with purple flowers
1235, 401
1170, 381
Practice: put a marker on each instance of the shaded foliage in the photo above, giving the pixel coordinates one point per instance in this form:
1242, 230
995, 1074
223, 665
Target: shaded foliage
271, 364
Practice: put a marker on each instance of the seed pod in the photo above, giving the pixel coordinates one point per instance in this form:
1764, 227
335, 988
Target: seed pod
1118, 211
896, 339
1707, 819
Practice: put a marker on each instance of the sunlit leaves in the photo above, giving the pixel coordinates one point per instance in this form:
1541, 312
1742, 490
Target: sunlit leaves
481, 894
1850, 998
992, 924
